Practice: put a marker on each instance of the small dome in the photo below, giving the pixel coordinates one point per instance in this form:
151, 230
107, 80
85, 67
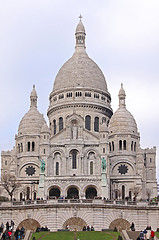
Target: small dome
122, 121
45, 128
80, 27
33, 92
33, 120
31, 123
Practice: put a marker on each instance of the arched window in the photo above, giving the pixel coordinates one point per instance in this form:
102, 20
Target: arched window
18, 148
88, 122
120, 145
54, 192
91, 167
28, 193
21, 147
57, 168
116, 194
28, 146
34, 196
112, 146
74, 159
124, 144
54, 126
132, 146
21, 196
135, 146
33, 146
60, 123
130, 195
72, 193
96, 124
90, 193
123, 192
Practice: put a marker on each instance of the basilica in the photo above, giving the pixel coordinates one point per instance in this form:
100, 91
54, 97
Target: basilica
86, 151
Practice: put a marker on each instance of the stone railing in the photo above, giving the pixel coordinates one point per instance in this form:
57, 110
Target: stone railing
79, 201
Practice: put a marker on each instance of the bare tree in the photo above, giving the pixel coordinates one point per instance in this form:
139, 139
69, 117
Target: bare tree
10, 184
135, 191
148, 193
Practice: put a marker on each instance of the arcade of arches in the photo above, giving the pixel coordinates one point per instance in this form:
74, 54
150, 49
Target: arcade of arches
73, 192
76, 223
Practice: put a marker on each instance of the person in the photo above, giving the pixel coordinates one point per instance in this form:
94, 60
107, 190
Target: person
152, 234
148, 234
88, 228
92, 228
16, 234
141, 235
22, 230
4, 235
7, 226
132, 227
84, 228
12, 224
145, 232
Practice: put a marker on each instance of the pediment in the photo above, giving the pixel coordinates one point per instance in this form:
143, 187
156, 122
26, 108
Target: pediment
58, 137
87, 135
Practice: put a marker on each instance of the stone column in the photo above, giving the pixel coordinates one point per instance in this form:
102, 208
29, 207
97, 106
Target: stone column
41, 186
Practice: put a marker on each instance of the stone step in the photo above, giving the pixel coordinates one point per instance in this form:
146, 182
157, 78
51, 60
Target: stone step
133, 234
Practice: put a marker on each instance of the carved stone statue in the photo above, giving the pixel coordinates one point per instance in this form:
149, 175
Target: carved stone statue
104, 164
42, 165
74, 132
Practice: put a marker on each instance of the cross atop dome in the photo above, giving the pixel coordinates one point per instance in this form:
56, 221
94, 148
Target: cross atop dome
80, 17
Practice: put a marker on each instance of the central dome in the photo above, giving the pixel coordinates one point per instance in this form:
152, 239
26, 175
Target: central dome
80, 70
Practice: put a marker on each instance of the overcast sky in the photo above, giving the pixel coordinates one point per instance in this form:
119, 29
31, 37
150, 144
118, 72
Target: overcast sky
37, 37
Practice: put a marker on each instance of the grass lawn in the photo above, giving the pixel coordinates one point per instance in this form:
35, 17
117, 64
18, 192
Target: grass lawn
80, 235
157, 234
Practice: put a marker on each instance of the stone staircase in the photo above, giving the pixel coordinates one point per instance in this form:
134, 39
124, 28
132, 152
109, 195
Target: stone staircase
133, 234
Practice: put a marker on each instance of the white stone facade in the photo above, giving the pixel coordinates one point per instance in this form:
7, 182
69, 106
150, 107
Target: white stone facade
82, 130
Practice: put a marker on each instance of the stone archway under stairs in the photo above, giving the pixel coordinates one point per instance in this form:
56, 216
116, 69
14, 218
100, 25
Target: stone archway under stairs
120, 224
74, 224
29, 224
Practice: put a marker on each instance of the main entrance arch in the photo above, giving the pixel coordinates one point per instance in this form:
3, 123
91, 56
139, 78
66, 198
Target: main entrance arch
72, 193
120, 224
74, 223
91, 193
54, 192
29, 224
